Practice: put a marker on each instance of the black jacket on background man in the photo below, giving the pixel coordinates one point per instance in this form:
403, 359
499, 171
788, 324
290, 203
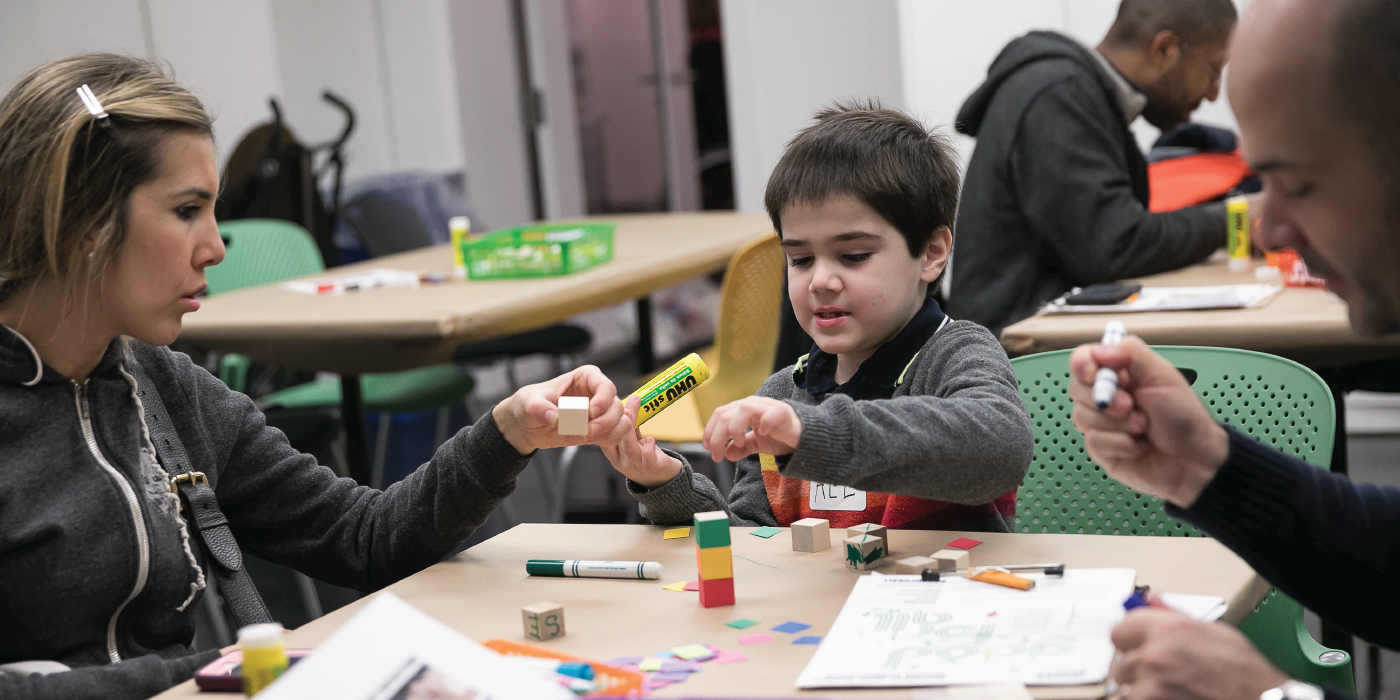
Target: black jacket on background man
1056, 194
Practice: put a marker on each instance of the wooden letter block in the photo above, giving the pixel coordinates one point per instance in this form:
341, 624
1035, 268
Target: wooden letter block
868, 529
573, 415
811, 535
952, 559
714, 563
914, 565
864, 551
543, 621
715, 592
712, 529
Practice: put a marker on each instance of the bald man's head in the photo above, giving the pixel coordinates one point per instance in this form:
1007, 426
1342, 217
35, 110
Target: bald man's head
1315, 85
1196, 22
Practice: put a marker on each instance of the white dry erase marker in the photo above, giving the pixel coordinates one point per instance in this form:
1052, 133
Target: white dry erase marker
1106, 380
594, 569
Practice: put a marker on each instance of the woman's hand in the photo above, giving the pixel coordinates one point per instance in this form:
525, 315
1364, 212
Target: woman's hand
755, 424
638, 458
529, 418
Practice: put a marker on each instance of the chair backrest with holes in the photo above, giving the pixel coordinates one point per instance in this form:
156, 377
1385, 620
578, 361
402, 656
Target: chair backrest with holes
746, 336
1277, 401
262, 251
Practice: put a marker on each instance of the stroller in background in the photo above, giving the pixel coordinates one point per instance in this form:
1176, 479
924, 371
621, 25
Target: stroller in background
271, 175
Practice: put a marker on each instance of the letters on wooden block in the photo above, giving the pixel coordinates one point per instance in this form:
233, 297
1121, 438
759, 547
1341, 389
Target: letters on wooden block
864, 551
543, 621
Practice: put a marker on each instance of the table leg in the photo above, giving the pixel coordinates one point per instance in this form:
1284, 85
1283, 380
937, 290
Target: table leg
646, 359
352, 420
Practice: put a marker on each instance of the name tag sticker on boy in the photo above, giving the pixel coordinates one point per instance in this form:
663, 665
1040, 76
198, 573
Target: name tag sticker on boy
829, 497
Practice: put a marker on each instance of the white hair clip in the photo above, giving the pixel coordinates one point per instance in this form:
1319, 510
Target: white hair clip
93, 106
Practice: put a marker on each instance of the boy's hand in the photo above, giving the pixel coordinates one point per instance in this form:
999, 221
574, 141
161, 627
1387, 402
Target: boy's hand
638, 458
529, 418
755, 424
1169, 656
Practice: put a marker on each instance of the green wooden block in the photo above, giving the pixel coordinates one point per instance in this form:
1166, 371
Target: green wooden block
712, 529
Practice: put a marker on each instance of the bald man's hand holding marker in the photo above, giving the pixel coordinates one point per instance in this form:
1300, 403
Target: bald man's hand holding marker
1145, 426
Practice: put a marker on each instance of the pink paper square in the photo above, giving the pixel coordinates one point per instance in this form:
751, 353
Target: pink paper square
964, 543
756, 639
730, 657
692, 586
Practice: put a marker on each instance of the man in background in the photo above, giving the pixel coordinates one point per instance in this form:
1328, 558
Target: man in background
1056, 195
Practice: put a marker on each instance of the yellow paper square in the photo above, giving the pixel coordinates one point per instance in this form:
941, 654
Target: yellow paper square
676, 534
678, 586
652, 664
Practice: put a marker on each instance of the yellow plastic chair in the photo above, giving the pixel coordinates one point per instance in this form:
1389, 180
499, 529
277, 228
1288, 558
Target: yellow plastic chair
746, 339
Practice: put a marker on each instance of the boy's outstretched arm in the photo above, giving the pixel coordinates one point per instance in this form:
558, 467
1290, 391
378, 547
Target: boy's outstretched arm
962, 435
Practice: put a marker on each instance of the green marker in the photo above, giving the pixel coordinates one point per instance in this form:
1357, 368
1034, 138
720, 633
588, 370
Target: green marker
570, 568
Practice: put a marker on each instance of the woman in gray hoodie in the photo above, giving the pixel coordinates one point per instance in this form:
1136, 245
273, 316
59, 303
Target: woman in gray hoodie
106, 226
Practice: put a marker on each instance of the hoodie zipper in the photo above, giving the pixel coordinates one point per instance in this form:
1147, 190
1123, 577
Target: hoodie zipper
143, 545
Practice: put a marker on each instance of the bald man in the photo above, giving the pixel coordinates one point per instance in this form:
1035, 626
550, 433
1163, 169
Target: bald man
1056, 193
1316, 88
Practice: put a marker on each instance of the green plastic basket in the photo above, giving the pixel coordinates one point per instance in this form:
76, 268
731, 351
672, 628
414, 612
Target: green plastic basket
542, 250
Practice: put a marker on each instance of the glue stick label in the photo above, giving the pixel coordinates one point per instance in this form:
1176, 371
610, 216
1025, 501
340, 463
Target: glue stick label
667, 387
1237, 220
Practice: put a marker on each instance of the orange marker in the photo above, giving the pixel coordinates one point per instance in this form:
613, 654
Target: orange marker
1002, 578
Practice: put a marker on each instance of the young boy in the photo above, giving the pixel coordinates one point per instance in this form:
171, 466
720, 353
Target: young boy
898, 415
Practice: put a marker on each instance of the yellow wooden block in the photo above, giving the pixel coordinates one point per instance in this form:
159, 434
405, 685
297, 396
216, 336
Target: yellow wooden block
714, 563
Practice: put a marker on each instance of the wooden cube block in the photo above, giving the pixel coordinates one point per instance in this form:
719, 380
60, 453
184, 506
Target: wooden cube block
573, 415
914, 565
543, 621
952, 559
868, 529
864, 551
715, 592
714, 563
811, 535
712, 529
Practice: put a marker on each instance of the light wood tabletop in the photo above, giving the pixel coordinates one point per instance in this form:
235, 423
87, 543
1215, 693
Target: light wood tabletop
1307, 325
480, 592
385, 330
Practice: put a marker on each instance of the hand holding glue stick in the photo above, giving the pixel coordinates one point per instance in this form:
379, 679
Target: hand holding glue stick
1106, 379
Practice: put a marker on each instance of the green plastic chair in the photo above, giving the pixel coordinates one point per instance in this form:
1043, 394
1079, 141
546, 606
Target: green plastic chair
1277, 401
263, 251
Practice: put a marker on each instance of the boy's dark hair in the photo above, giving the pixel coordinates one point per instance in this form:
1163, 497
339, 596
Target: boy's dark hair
883, 157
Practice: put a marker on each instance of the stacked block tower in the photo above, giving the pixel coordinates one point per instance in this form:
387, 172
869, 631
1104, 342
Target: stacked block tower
714, 558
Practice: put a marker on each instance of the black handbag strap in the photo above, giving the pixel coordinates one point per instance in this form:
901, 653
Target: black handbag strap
199, 501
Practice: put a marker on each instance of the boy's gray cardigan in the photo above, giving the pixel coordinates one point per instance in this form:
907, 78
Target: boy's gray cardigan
954, 430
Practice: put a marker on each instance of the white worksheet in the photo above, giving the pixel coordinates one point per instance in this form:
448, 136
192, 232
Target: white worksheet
901, 631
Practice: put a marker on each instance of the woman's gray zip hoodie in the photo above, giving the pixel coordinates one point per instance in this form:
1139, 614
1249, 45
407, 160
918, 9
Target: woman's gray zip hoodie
97, 570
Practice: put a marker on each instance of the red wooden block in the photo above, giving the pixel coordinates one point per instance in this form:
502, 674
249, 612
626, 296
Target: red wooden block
715, 592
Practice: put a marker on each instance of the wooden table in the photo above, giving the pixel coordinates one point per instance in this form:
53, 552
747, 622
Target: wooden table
480, 593
1307, 325
385, 330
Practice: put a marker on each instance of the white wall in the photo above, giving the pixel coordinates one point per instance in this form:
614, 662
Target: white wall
785, 58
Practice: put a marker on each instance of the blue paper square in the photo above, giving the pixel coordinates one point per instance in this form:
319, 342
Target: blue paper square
808, 640
791, 627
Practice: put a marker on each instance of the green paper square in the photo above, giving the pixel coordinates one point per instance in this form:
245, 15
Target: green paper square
766, 532
742, 624
711, 533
